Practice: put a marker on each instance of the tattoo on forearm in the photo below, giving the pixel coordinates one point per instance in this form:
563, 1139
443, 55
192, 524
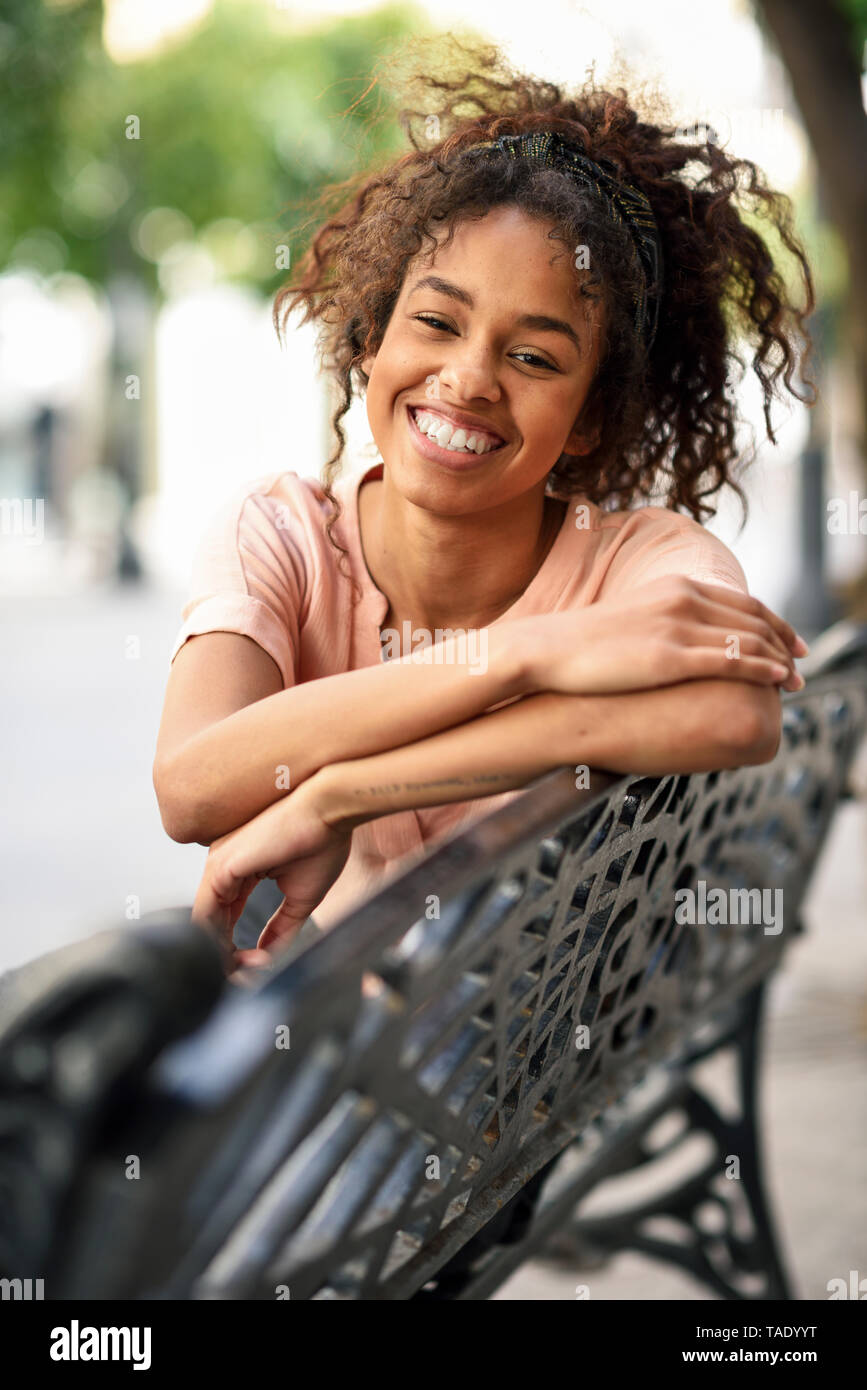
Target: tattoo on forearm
392, 787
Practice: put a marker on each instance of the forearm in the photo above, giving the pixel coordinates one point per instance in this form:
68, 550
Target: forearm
696, 726
237, 767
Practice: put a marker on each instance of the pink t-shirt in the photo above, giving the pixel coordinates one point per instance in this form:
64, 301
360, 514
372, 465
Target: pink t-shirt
266, 568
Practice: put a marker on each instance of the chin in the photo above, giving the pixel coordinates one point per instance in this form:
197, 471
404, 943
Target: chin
446, 496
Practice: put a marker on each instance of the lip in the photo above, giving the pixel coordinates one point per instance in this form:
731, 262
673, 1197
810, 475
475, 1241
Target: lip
437, 454
459, 418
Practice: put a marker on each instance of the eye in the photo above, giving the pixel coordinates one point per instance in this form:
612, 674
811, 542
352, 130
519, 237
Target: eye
432, 320
536, 361
531, 357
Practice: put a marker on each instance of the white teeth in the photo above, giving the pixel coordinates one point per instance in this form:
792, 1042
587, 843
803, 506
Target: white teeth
448, 437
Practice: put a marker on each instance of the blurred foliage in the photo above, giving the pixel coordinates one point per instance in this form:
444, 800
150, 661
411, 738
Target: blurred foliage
241, 124
856, 13
825, 245
825, 250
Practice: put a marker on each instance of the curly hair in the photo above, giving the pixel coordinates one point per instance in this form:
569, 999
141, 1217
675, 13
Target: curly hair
666, 420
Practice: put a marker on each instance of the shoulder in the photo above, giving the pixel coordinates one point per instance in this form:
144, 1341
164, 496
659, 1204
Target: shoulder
637, 546
260, 564
277, 517
264, 537
277, 498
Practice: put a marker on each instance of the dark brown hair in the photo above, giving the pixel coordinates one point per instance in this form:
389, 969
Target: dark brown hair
667, 419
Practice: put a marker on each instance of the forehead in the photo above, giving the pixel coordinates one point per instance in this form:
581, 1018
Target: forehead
507, 258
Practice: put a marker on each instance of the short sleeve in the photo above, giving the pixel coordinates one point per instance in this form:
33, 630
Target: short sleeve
670, 544
248, 576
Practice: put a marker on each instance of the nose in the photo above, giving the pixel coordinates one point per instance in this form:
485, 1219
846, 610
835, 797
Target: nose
470, 372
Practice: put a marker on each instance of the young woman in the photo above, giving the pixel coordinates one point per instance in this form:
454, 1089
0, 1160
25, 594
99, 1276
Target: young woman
541, 308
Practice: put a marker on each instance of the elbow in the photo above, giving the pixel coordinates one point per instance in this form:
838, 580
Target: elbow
178, 812
751, 726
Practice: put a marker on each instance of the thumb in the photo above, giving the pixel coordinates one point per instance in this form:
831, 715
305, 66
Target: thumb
281, 926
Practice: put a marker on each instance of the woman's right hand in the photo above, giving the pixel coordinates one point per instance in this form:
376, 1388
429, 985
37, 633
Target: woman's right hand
675, 629
292, 842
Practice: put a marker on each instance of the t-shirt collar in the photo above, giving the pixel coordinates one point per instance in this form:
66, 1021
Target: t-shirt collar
539, 596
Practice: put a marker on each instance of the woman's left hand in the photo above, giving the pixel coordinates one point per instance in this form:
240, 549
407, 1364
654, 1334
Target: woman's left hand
290, 842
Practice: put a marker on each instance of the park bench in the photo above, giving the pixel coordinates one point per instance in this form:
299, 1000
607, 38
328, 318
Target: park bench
540, 1003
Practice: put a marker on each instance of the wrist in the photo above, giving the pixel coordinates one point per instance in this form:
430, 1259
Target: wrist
334, 802
519, 657
534, 639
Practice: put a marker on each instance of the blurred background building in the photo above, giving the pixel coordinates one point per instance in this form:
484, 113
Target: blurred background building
159, 161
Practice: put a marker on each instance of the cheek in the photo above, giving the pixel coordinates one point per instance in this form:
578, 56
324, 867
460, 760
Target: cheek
378, 384
390, 366
385, 384
550, 418
402, 371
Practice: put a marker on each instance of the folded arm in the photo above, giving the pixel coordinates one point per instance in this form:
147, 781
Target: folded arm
303, 841
232, 742
594, 686
696, 726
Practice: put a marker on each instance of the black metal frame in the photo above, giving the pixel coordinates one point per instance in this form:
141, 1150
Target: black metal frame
734, 1263
310, 1169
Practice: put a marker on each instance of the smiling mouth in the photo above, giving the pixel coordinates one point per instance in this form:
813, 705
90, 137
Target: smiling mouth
452, 438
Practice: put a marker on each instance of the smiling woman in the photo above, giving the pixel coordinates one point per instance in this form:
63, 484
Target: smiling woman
531, 373
464, 529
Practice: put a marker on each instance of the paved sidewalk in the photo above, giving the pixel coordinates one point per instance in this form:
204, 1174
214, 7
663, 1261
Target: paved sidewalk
79, 820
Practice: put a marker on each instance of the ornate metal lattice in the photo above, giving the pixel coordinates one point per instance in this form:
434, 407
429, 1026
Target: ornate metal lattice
437, 1065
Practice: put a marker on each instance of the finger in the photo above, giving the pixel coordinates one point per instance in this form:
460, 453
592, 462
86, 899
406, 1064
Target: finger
211, 911
737, 645
247, 967
246, 887
252, 958
712, 663
718, 615
282, 925
737, 621
208, 910
754, 606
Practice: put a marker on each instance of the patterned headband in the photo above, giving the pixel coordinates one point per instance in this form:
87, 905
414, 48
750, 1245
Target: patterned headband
625, 204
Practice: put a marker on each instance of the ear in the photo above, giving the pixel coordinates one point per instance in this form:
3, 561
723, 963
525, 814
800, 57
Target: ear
367, 364
583, 439
581, 442
585, 434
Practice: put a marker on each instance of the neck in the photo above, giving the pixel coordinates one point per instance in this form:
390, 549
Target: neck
453, 571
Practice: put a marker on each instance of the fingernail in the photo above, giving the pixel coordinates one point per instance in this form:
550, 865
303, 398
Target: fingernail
781, 672
803, 645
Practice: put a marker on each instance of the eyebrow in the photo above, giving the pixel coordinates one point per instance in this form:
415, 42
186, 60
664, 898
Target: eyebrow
540, 323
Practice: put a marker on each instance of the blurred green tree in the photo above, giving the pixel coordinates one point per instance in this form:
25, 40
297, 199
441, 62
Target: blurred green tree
235, 121
221, 139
